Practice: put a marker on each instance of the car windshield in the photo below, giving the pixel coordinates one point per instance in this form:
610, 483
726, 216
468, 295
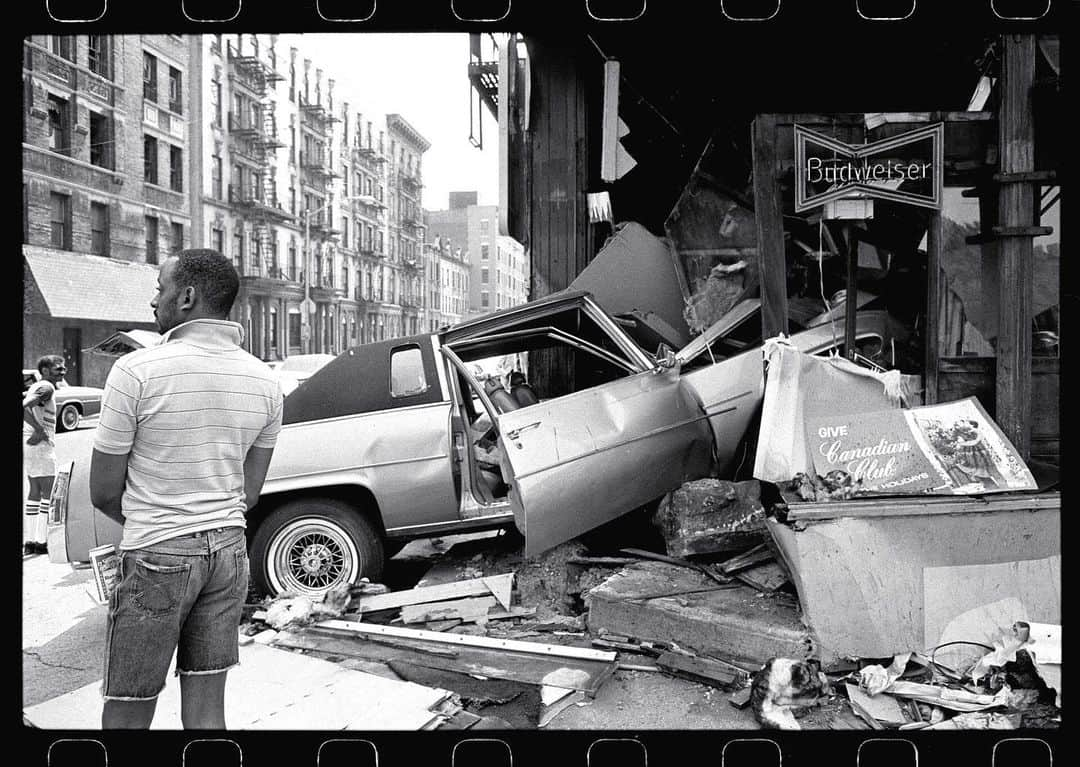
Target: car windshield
304, 363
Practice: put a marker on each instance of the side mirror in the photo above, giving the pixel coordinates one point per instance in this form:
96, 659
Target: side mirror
665, 357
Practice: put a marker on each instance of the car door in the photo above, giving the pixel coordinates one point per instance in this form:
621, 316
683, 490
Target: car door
577, 461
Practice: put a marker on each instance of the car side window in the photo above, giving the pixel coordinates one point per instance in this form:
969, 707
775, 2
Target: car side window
407, 376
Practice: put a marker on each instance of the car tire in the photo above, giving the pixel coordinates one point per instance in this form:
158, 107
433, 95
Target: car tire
307, 547
69, 417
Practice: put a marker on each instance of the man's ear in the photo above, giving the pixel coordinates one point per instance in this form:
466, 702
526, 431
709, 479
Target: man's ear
188, 298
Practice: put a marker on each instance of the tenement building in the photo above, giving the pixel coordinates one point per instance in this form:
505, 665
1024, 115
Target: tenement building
107, 175
404, 280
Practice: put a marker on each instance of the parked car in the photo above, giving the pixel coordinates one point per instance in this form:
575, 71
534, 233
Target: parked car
297, 368
399, 439
73, 403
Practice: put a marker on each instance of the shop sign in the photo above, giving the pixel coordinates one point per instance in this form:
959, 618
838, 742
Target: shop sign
952, 448
907, 168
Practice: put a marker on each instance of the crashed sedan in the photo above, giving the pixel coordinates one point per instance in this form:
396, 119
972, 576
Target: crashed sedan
399, 439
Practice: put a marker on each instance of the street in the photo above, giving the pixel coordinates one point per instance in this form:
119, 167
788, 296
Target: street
64, 636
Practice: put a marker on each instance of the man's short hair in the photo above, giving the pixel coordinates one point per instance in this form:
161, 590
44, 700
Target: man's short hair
211, 274
49, 361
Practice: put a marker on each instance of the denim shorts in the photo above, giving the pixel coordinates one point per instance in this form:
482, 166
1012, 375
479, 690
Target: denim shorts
184, 594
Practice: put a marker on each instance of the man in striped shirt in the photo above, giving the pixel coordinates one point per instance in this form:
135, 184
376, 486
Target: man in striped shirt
186, 434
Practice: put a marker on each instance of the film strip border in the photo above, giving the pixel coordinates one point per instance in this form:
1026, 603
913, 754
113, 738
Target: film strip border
492, 749
327, 13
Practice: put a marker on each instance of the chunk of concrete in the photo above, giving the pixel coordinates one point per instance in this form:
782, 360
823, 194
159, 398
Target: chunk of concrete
710, 516
658, 602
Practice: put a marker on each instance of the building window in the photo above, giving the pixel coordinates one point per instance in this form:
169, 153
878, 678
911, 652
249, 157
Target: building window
99, 59
344, 232
485, 300
292, 82
176, 91
293, 266
215, 99
176, 169
60, 221
150, 159
100, 143
149, 76
99, 229
483, 276
292, 195
64, 46
59, 140
151, 239
345, 278
177, 236
238, 250
485, 227
217, 240
484, 251
215, 178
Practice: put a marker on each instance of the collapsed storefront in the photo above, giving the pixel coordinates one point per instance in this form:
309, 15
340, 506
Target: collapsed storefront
954, 236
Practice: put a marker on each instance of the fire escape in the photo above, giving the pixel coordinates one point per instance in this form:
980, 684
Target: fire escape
255, 138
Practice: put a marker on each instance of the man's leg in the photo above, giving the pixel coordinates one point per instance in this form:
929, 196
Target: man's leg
30, 510
128, 714
41, 526
202, 701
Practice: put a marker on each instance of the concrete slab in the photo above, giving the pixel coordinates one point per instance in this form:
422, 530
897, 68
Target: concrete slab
733, 622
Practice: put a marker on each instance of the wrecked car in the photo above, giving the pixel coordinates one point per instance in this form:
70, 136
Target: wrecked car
398, 440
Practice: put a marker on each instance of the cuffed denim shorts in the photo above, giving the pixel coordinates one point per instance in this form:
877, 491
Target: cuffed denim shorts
185, 594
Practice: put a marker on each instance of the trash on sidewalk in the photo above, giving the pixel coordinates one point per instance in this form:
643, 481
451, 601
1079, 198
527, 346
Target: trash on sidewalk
293, 610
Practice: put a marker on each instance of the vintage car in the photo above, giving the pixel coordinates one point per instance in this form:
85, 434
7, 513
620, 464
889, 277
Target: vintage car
398, 440
73, 403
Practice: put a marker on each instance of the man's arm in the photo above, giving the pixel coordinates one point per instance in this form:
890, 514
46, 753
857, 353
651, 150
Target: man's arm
36, 395
255, 465
108, 474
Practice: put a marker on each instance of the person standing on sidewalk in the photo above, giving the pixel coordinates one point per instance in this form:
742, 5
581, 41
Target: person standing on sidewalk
185, 437
39, 451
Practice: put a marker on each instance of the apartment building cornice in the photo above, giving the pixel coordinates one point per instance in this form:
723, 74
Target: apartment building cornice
396, 122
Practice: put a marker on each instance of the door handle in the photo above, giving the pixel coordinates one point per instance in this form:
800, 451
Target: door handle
513, 433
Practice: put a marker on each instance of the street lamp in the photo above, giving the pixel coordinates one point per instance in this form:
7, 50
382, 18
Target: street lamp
308, 307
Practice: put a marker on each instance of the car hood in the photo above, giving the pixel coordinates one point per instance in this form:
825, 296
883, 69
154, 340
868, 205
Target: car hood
75, 392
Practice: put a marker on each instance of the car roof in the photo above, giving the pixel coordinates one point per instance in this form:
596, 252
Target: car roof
470, 326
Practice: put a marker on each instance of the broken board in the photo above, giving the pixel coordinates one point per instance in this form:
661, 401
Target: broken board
700, 670
495, 664
769, 576
273, 689
882, 708
499, 586
463, 609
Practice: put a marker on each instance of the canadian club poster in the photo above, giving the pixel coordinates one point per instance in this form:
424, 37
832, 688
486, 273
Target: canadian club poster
952, 448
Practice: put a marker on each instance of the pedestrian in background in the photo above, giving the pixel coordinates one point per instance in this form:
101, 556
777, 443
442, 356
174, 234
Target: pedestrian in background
185, 437
39, 451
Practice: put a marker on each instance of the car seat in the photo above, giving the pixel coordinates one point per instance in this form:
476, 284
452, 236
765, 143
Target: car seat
499, 396
522, 393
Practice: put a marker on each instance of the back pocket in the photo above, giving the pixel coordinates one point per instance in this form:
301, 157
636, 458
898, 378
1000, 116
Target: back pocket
157, 590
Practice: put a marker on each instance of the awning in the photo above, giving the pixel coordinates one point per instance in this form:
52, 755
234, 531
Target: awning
80, 286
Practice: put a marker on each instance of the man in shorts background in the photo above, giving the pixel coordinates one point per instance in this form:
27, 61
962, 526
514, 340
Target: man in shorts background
186, 434
39, 451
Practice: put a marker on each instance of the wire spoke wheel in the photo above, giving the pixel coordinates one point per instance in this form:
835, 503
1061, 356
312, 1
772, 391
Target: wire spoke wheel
311, 556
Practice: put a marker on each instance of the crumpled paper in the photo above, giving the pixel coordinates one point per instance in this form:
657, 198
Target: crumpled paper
875, 679
293, 610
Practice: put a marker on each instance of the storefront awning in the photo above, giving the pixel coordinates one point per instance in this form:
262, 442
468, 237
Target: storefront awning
80, 286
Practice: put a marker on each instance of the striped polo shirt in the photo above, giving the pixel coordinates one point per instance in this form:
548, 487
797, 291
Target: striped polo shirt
186, 412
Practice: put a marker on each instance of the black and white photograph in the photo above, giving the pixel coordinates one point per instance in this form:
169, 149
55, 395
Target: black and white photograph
476, 376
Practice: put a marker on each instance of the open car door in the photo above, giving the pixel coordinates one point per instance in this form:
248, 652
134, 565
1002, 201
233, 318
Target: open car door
577, 461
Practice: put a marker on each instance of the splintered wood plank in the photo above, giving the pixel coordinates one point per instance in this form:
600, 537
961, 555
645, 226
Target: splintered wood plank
698, 669
464, 609
756, 555
499, 586
563, 651
586, 675
881, 708
767, 577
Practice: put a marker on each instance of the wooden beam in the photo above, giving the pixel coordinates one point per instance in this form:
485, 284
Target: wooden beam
768, 215
934, 236
499, 586
896, 507
1016, 207
366, 629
